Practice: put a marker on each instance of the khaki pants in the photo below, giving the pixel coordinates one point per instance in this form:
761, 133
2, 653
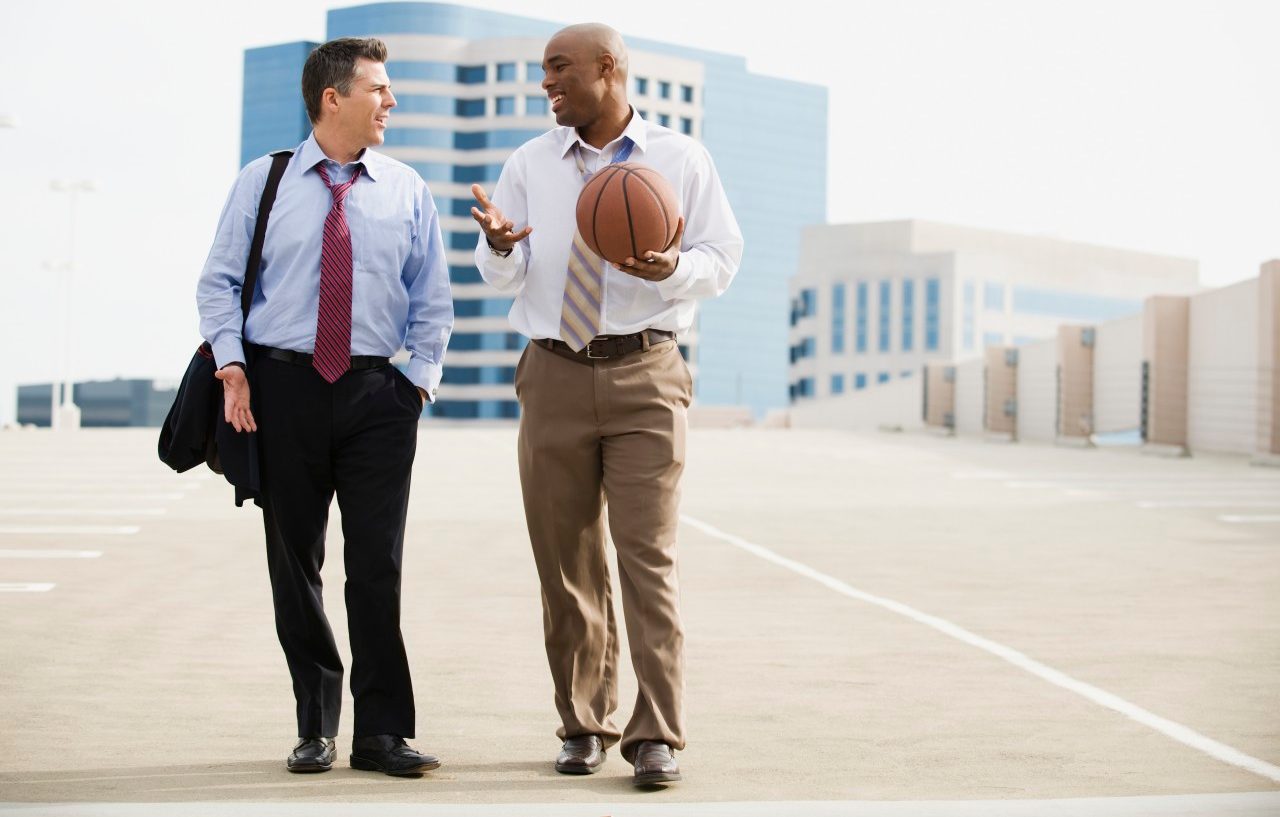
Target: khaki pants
608, 430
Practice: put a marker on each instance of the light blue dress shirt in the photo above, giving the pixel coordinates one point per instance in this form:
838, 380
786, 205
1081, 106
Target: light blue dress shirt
400, 294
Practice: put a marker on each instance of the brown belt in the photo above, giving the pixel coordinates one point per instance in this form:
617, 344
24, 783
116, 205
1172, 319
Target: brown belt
604, 347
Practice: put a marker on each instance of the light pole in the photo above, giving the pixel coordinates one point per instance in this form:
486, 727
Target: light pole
67, 415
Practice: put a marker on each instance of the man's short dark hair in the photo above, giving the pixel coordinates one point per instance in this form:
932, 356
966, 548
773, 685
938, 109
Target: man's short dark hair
333, 65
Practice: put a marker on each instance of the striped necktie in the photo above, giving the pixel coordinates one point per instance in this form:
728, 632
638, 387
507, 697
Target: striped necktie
332, 355
584, 288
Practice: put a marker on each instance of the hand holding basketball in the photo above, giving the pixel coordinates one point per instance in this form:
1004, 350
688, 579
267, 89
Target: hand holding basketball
654, 265
497, 227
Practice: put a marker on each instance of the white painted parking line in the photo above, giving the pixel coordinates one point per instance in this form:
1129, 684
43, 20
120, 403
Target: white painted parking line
72, 530
1149, 485
49, 554
82, 512
1182, 734
1247, 519
26, 587
86, 486
1152, 504
1112, 476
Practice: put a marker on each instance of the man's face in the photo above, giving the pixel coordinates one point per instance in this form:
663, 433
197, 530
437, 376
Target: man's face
574, 82
362, 114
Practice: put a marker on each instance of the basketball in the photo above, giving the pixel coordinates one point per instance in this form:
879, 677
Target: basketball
626, 210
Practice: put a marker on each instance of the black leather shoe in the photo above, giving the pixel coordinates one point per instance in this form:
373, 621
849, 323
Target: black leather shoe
311, 755
389, 754
581, 755
655, 764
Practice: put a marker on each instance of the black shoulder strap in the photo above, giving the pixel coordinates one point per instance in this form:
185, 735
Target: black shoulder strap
279, 160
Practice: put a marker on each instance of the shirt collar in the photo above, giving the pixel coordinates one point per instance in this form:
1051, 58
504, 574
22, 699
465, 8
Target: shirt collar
635, 130
310, 155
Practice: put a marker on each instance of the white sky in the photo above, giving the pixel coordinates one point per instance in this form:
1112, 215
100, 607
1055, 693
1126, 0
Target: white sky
1148, 125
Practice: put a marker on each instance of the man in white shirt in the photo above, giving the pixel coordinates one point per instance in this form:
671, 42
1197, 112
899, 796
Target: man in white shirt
606, 423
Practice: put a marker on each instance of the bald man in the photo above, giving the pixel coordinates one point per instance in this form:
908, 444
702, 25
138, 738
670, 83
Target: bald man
604, 422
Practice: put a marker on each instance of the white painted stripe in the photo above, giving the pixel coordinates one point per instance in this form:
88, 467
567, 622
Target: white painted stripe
1152, 504
1148, 485
83, 512
72, 530
1113, 476
96, 497
83, 486
1245, 519
26, 587
1176, 731
49, 554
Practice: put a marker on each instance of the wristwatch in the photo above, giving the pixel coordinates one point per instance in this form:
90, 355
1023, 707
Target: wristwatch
496, 251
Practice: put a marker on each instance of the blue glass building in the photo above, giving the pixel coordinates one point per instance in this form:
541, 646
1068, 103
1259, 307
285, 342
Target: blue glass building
467, 84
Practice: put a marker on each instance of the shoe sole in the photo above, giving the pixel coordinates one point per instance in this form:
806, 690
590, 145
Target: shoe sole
369, 766
656, 778
579, 769
308, 769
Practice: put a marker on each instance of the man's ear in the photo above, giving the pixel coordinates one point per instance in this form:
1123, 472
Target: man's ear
607, 64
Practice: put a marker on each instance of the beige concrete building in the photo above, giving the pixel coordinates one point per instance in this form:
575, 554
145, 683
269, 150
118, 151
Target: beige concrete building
871, 303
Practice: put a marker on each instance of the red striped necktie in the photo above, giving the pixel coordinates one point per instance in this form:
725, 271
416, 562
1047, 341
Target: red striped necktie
332, 355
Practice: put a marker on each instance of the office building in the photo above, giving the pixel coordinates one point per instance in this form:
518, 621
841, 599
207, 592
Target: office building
103, 403
467, 82
872, 303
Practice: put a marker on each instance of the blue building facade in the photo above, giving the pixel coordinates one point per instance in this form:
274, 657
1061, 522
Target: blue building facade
468, 86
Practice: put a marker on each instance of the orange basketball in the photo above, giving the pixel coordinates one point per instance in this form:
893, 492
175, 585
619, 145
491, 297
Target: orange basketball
626, 210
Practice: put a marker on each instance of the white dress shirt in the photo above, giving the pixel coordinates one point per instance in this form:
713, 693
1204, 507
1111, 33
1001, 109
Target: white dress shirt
539, 187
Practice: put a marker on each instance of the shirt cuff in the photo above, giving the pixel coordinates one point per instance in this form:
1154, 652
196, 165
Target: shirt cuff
228, 350
675, 283
425, 376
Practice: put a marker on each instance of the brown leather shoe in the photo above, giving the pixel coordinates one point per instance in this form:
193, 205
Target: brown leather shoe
655, 764
583, 754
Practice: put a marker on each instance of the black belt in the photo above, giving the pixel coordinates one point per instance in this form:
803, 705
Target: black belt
304, 358
603, 347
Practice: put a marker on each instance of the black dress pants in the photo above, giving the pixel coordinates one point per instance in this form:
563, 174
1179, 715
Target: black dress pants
354, 438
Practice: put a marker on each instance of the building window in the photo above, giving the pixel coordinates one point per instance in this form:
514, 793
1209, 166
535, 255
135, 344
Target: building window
505, 106
469, 107
837, 319
932, 297
506, 72
808, 302
906, 373
970, 299
686, 93
859, 381
882, 377
533, 72
805, 387
992, 339
664, 120
664, 89
536, 106
642, 86
885, 296
837, 384
686, 126
908, 315
643, 113
860, 321
993, 296
1078, 306
472, 74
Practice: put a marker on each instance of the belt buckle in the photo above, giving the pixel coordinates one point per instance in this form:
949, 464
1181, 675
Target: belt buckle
591, 356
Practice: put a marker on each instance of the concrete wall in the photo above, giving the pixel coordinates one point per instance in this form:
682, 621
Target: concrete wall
1001, 390
1268, 445
1166, 334
1222, 373
1117, 376
969, 396
1037, 391
1075, 382
896, 403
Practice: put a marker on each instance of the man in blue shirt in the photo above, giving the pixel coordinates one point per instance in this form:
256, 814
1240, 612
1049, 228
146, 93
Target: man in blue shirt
353, 268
